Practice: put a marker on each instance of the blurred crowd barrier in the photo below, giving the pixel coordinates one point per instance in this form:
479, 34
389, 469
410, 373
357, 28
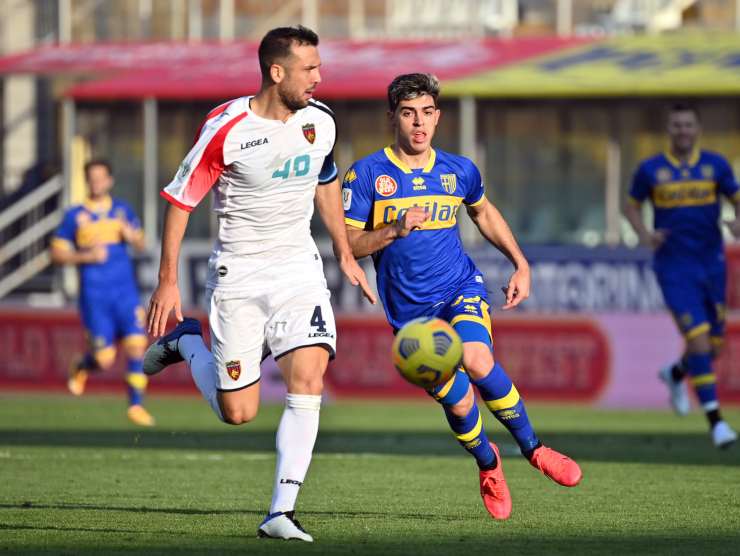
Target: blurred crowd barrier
603, 359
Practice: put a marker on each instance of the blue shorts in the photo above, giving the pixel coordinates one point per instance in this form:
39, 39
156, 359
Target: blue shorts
468, 314
696, 298
113, 317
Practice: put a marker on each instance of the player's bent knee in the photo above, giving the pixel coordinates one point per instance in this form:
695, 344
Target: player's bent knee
463, 407
478, 362
238, 415
105, 358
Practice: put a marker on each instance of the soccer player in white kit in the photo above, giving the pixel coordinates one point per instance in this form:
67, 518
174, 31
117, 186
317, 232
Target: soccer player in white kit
266, 157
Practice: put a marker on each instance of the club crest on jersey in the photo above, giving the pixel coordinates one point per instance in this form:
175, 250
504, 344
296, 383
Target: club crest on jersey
449, 182
234, 369
385, 185
309, 132
663, 175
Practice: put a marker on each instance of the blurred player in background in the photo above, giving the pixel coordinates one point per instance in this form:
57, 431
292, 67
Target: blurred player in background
95, 237
685, 186
267, 157
400, 206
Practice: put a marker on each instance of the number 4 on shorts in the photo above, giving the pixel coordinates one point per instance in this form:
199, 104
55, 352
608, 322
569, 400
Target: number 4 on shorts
317, 320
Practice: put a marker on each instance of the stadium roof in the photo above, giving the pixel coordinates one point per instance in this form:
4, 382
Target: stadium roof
665, 65
350, 70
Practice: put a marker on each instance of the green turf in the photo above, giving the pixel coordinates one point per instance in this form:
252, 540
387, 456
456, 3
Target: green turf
76, 478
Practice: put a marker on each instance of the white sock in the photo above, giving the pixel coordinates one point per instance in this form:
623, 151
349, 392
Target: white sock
200, 360
296, 436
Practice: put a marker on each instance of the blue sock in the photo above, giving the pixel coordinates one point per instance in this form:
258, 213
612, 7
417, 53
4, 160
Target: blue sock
136, 381
502, 398
469, 429
699, 367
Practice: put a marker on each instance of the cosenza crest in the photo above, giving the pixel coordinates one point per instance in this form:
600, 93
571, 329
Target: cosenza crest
309, 132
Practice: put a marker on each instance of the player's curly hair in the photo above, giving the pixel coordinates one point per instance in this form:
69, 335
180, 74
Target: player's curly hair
275, 45
412, 85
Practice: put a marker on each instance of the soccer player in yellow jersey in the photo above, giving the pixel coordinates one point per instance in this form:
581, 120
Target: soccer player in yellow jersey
400, 206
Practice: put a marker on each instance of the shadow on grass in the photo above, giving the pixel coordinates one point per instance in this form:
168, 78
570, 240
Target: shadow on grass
529, 543
612, 447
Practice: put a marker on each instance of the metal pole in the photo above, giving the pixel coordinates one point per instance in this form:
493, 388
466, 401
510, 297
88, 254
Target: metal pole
468, 142
64, 22
150, 196
69, 282
226, 20
612, 189
311, 14
564, 18
356, 18
195, 21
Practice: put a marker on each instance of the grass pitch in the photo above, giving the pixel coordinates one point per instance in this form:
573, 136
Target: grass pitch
387, 478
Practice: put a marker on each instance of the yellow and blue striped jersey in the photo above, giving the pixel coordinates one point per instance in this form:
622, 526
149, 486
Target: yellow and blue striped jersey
428, 266
686, 201
100, 223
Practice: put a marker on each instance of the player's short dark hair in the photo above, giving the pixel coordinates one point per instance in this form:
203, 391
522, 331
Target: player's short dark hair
412, 85
98, 162
683, 106
275, 45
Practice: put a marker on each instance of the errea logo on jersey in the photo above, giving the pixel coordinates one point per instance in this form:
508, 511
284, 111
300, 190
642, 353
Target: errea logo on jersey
255, 143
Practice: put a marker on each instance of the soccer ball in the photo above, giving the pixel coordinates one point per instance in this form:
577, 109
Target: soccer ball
427, 351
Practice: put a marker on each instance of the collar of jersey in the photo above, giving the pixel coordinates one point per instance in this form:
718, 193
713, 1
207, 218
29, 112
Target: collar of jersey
104, 205
404, 167
693, 159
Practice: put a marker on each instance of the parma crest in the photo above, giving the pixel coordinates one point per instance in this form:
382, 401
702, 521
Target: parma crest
449, 182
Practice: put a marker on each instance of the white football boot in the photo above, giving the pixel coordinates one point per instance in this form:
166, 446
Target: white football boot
678, 391
722, 435
283, 525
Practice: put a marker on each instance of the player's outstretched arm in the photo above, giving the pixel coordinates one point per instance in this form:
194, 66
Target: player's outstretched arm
63, 253
166, 296
329, 205
633, 214
495, 229
734, 225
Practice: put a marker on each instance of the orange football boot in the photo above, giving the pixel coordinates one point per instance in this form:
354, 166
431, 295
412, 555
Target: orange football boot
556, 466
140, 416
77, 379
494, 491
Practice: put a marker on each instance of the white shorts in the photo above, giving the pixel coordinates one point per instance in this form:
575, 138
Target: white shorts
263, 307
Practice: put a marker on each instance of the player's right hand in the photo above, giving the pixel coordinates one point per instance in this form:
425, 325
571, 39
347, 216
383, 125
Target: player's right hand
656, 239
165, 298
412, 219
98, 253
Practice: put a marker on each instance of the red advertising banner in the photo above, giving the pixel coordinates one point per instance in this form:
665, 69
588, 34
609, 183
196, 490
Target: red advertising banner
38, 347
610, 360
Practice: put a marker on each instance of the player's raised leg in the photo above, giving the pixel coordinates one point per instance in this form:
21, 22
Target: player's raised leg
303, 371
136, 380
674, 377
79, 371
185, 343
703, 379
458, 400
470, 318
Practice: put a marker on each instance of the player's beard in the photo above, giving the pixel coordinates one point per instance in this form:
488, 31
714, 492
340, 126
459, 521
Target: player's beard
291, 102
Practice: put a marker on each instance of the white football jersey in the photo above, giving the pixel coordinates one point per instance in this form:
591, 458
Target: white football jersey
263, 174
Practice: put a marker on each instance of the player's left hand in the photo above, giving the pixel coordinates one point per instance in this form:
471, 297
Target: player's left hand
518, 288
734, 227
356, 276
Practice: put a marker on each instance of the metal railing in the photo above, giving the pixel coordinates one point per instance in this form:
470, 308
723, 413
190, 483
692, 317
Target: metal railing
25, 226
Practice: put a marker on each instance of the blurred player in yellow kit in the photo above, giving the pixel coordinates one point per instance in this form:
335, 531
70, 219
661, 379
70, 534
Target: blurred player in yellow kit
95, 236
